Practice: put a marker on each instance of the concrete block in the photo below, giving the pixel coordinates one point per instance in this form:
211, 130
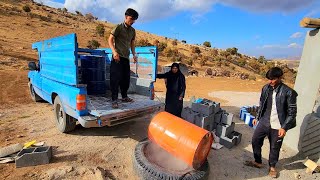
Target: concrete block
227, 118
215, 125
205, 122
228, 142
206, 107
217, 117
237, 135
189, 115
34, 156
184, 112
225, 130
219, 130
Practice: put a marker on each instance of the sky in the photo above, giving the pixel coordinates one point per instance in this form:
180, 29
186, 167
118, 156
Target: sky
257, 28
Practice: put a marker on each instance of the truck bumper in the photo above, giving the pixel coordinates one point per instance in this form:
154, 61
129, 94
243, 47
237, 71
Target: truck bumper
93, 121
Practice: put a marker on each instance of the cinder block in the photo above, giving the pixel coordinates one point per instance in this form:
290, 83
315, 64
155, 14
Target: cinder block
34, 156
228, 142
206, 107
217, 117
215, 125
219, 130
237, 135
225, 130
205, 122
189, 115
227, 118
184, 112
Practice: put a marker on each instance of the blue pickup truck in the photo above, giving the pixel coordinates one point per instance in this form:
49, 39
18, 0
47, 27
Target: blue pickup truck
76, 81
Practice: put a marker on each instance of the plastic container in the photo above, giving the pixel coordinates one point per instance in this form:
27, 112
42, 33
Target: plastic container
249, 119
241, 111
243, 114
93, 73
246, 114
180, 138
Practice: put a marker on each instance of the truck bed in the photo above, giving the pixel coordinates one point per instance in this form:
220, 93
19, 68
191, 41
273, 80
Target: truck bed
101, 106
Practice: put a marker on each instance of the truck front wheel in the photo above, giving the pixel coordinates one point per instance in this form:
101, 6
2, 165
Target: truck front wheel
64, 122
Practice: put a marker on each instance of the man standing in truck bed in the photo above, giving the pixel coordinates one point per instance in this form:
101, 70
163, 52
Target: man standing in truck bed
121, 39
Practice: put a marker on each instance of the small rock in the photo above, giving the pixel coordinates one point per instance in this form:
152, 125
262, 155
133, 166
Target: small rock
32, 175
81, 171
68, 169
297, 176
20, 136
121, 147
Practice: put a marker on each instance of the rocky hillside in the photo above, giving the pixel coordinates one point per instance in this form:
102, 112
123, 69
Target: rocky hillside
24, 22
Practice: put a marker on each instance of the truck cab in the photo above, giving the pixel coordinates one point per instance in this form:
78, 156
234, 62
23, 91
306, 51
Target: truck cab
76, 81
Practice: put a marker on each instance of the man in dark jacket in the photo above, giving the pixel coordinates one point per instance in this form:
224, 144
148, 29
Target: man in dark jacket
176, 87
277, 114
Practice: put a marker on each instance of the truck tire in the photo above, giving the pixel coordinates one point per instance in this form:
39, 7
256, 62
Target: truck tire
34, 96
64, 122
148, 171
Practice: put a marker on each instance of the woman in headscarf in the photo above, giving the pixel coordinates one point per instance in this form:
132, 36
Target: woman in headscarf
176, 87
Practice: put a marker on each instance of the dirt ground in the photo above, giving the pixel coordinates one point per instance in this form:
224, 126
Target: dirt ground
106, 153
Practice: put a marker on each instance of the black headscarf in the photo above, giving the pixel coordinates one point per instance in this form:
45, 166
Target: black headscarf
177, 66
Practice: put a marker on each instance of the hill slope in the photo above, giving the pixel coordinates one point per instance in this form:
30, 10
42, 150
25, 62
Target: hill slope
20, 29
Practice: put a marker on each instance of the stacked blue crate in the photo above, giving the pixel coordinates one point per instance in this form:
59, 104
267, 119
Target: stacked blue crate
248, 114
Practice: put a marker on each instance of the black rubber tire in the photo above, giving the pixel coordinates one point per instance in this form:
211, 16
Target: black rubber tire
34, 96
149, 171
64, 122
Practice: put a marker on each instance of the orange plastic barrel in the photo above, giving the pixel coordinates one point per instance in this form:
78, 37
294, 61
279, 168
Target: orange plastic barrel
180, 138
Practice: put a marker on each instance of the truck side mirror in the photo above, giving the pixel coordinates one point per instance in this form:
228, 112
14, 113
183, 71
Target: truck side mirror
32, 66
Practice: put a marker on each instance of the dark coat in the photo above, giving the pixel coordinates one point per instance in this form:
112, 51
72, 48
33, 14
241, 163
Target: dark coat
176, 86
